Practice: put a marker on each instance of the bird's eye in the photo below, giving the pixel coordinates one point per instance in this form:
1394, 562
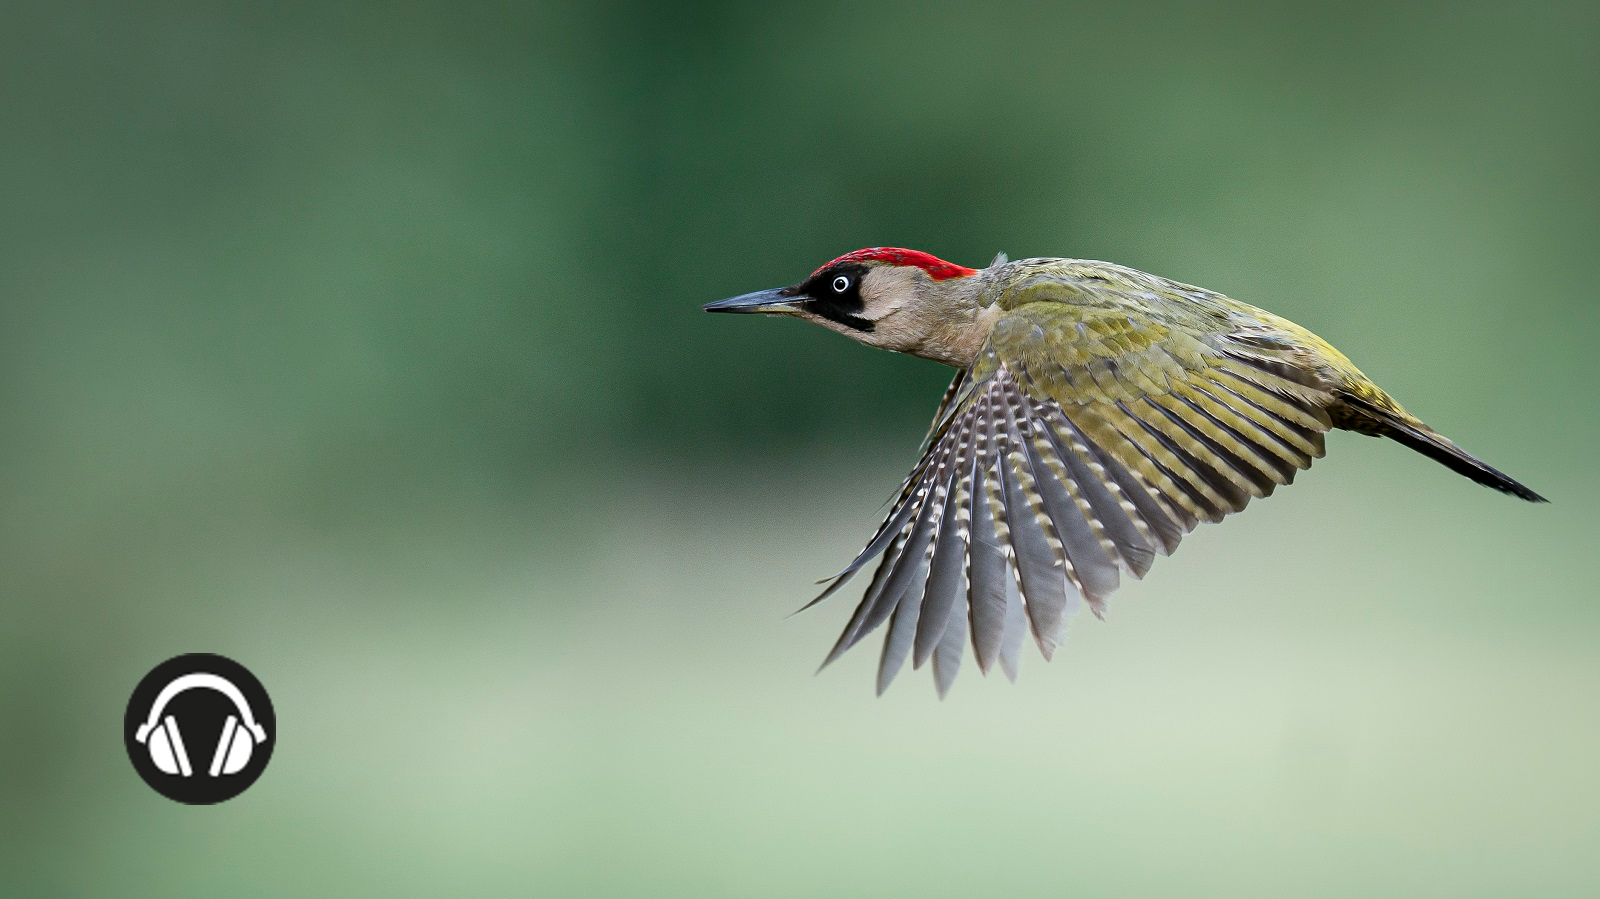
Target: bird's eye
841, 284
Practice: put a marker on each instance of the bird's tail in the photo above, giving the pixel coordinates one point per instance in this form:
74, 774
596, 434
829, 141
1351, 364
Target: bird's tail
1409, 432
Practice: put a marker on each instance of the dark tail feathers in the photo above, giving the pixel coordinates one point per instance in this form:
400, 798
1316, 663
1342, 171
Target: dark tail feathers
1430, 443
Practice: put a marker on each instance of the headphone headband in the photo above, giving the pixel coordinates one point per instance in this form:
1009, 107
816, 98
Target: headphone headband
210, 681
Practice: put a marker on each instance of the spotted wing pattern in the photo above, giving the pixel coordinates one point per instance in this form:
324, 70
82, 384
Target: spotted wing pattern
1082, 442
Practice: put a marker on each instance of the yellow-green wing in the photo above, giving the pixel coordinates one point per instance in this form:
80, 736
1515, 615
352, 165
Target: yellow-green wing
1204, 419
1088, 436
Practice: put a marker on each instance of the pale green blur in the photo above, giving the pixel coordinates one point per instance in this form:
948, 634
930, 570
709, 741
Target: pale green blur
364, 346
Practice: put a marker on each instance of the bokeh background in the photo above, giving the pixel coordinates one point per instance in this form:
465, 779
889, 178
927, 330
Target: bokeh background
361, 343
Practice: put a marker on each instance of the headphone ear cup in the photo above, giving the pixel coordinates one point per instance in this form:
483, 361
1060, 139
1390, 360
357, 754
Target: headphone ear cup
224, 745
172, 740
239, 753
161, 752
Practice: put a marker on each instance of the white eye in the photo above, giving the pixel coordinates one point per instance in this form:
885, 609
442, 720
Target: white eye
841, 284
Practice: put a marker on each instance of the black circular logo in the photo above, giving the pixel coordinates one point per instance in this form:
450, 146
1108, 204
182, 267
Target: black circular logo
199, 729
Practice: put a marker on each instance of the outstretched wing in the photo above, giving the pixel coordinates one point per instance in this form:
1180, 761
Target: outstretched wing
1084, 440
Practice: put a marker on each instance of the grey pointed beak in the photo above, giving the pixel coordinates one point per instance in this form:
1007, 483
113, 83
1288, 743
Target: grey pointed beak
776, 301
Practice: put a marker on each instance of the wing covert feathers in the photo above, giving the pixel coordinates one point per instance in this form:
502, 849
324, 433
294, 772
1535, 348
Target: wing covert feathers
1040, 484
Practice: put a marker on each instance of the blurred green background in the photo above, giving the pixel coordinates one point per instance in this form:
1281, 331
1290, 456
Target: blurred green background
362, 344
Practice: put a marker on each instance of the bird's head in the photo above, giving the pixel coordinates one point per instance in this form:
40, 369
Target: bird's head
887, 297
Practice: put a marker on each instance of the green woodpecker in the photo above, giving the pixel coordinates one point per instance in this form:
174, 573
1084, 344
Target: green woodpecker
1098, 415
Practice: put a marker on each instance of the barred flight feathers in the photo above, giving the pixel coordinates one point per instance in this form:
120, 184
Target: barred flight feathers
1082, 443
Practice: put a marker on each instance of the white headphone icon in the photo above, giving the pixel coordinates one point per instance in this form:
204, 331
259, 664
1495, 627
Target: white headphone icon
166, 745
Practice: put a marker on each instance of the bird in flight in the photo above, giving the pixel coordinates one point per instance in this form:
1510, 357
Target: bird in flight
1098, 414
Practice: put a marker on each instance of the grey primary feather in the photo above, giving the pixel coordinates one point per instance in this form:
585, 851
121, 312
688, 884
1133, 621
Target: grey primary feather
988, 572
908, 581
1091, 570
947, 576
1047, 593
947, 657
907, 585
1016, 629
946, 584
902, 629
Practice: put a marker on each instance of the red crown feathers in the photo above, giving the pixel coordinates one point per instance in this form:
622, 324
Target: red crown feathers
936, 268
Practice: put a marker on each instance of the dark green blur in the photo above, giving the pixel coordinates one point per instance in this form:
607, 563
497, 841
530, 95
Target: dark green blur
363, 344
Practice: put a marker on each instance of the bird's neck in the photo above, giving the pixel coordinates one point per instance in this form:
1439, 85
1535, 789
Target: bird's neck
956, 323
